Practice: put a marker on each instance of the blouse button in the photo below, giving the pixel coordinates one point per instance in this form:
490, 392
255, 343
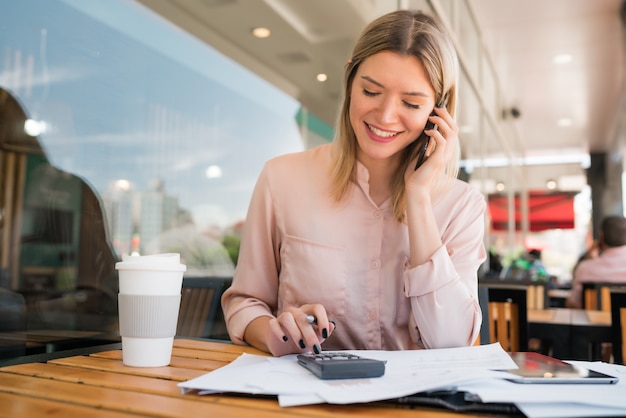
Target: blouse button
378, 214
371, 315
375, 264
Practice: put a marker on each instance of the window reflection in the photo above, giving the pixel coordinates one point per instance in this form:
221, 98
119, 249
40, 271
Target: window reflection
146, 141
58, 266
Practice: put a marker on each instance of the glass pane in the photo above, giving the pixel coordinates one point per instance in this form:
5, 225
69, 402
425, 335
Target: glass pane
489, 87
469, 41
142, 139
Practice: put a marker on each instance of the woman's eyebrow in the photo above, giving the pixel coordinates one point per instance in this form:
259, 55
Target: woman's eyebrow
408, 93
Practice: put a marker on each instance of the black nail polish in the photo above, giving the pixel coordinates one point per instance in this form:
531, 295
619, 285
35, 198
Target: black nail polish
302, 344
316, 349
285, 339
333, 322
325, 332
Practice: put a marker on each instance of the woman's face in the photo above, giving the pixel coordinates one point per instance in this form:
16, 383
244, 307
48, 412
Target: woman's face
390, 101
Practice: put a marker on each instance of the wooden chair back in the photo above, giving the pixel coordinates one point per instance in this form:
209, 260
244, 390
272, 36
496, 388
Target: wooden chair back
537, 295
618, 324
508, 316
200, 313
597, 295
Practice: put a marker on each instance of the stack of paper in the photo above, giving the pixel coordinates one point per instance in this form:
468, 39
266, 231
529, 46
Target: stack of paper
470, 369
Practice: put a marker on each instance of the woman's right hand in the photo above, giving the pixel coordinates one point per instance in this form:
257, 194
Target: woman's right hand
291, 332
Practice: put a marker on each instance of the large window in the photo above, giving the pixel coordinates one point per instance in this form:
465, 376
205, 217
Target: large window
134, 127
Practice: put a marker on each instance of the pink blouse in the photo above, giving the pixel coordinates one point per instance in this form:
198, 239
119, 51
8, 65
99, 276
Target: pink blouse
300, 246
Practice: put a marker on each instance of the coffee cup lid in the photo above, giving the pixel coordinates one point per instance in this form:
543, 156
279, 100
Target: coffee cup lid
167, 261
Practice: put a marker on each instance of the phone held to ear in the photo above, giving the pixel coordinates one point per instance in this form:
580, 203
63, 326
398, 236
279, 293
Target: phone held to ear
424, 139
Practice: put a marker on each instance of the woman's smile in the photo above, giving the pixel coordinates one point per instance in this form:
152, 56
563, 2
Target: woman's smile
381, 135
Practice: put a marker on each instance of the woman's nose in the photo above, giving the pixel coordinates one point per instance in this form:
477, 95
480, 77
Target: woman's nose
388, 110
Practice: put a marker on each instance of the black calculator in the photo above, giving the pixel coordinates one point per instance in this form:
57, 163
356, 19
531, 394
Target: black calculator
337, 365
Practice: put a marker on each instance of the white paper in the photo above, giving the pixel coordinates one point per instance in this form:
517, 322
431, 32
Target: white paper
568, 410
406, 372
470, 369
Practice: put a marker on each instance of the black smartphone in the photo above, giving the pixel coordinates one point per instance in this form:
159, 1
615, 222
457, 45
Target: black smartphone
424, 139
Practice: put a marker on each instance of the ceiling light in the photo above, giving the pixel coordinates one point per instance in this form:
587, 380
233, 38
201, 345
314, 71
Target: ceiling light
562, 58
261, 32
551, 184
321, 77
564, 122
500, 186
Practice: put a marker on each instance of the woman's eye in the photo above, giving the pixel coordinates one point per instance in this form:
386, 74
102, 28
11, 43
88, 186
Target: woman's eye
411, 105
369, 93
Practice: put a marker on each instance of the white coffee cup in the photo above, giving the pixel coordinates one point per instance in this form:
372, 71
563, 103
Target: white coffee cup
149, 301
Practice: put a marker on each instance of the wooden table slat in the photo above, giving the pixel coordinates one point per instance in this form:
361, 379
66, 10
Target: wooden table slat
17, 406
217, 346
187, 362
123, 400
100, 385
97, 378
167, 372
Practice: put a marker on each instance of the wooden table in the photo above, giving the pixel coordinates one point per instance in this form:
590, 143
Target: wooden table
558, 297
571, 331
99, 385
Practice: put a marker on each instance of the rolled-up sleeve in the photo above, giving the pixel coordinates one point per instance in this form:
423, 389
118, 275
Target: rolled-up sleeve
443, 291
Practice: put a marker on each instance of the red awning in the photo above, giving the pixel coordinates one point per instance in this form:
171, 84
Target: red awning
545, 211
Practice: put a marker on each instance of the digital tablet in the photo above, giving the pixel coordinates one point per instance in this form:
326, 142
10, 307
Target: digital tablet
539, 368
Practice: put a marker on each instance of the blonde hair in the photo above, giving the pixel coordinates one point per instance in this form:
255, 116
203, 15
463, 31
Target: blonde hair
408, 33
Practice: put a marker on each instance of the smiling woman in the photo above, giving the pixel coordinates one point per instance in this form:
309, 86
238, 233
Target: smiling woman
382, 255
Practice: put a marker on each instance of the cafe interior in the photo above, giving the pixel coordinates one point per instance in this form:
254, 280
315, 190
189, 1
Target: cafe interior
140, 126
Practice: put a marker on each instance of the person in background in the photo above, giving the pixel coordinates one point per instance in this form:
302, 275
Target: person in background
605, 261
376, 253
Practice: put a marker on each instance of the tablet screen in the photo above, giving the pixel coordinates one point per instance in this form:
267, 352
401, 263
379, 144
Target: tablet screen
538, 368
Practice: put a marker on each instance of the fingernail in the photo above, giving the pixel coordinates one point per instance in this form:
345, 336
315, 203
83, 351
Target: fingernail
325, 333
302, 344
285, 339
333, 322
316, 349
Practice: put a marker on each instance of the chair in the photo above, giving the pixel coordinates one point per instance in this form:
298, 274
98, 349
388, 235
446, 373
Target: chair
618, 324
483, 300
597, 295
537, 295
508, 316
537, 291
200, 313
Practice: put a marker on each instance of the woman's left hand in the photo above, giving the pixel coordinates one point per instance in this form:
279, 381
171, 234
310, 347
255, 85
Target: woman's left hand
441, 150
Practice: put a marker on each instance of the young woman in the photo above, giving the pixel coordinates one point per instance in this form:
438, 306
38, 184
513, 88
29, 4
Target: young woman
349, 245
